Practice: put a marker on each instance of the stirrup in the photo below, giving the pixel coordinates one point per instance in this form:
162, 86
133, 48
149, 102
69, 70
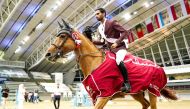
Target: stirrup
126, 88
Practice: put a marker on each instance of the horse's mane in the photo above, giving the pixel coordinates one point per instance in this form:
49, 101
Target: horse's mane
87, 32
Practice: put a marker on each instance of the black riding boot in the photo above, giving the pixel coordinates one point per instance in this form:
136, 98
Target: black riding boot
126, 85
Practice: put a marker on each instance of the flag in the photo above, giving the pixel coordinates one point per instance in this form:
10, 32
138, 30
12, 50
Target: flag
149, 25
130, 36
139, 31
185, 7
172, 13
159, 20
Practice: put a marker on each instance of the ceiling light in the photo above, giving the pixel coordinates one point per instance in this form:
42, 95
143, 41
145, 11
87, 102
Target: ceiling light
135, 12
55, 7
146, 5
127, 16
49, 14
39, 25
18, 49
152, 3
23, 42
26, 38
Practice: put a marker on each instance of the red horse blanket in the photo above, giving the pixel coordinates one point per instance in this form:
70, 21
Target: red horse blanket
106, 80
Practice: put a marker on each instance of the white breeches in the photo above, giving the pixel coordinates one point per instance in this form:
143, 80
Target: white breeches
120, 55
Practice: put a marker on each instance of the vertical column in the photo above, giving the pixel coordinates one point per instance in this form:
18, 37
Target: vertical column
162, 58
152, 54
177, 49
168, 50
186, 44
144, 54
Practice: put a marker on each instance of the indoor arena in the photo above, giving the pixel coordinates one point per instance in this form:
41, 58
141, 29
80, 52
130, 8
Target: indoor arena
94, 54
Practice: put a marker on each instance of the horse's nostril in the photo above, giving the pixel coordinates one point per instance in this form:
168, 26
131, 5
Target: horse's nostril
48, 54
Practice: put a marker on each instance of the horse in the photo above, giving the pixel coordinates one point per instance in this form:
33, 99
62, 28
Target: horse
89, 57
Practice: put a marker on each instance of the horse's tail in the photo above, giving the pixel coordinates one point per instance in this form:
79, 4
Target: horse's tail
168, 93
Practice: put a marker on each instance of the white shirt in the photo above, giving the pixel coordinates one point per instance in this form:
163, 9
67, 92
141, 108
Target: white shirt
57, 91
101, 30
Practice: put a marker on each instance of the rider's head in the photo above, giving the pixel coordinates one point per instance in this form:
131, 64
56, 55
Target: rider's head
100, 14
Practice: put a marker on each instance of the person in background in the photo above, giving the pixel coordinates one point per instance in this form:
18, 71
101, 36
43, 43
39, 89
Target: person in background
5, 94
26, 96
57, 96
30, 96
36, 96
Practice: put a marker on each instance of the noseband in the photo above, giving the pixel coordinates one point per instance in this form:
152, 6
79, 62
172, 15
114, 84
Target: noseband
59, 52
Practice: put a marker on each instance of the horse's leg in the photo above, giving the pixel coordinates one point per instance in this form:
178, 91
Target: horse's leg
153, 100
140, 98
101, 102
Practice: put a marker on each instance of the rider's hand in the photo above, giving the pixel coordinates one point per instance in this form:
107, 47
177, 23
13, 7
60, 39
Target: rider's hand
114, 45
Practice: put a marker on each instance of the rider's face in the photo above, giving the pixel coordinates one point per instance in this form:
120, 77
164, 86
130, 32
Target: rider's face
99, 15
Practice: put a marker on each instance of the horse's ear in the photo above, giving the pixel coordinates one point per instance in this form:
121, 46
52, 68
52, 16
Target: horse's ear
65, 28
61, 26
66, 24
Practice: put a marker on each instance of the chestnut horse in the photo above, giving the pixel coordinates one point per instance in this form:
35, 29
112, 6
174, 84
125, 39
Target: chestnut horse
89, 58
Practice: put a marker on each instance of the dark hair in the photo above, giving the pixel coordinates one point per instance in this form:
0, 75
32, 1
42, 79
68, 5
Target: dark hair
87, 31
102, 10
138, 26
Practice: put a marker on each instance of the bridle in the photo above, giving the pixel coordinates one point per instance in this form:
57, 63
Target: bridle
59, 51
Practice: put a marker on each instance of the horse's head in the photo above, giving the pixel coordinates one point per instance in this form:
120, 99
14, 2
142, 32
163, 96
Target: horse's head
65, 42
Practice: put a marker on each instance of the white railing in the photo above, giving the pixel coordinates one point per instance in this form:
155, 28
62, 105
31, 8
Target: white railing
177, 69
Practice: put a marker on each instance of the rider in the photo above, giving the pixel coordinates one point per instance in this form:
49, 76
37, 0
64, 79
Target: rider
114, 36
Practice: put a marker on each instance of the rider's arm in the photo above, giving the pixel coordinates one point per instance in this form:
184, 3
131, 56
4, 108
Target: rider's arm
99, 40
119, 28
